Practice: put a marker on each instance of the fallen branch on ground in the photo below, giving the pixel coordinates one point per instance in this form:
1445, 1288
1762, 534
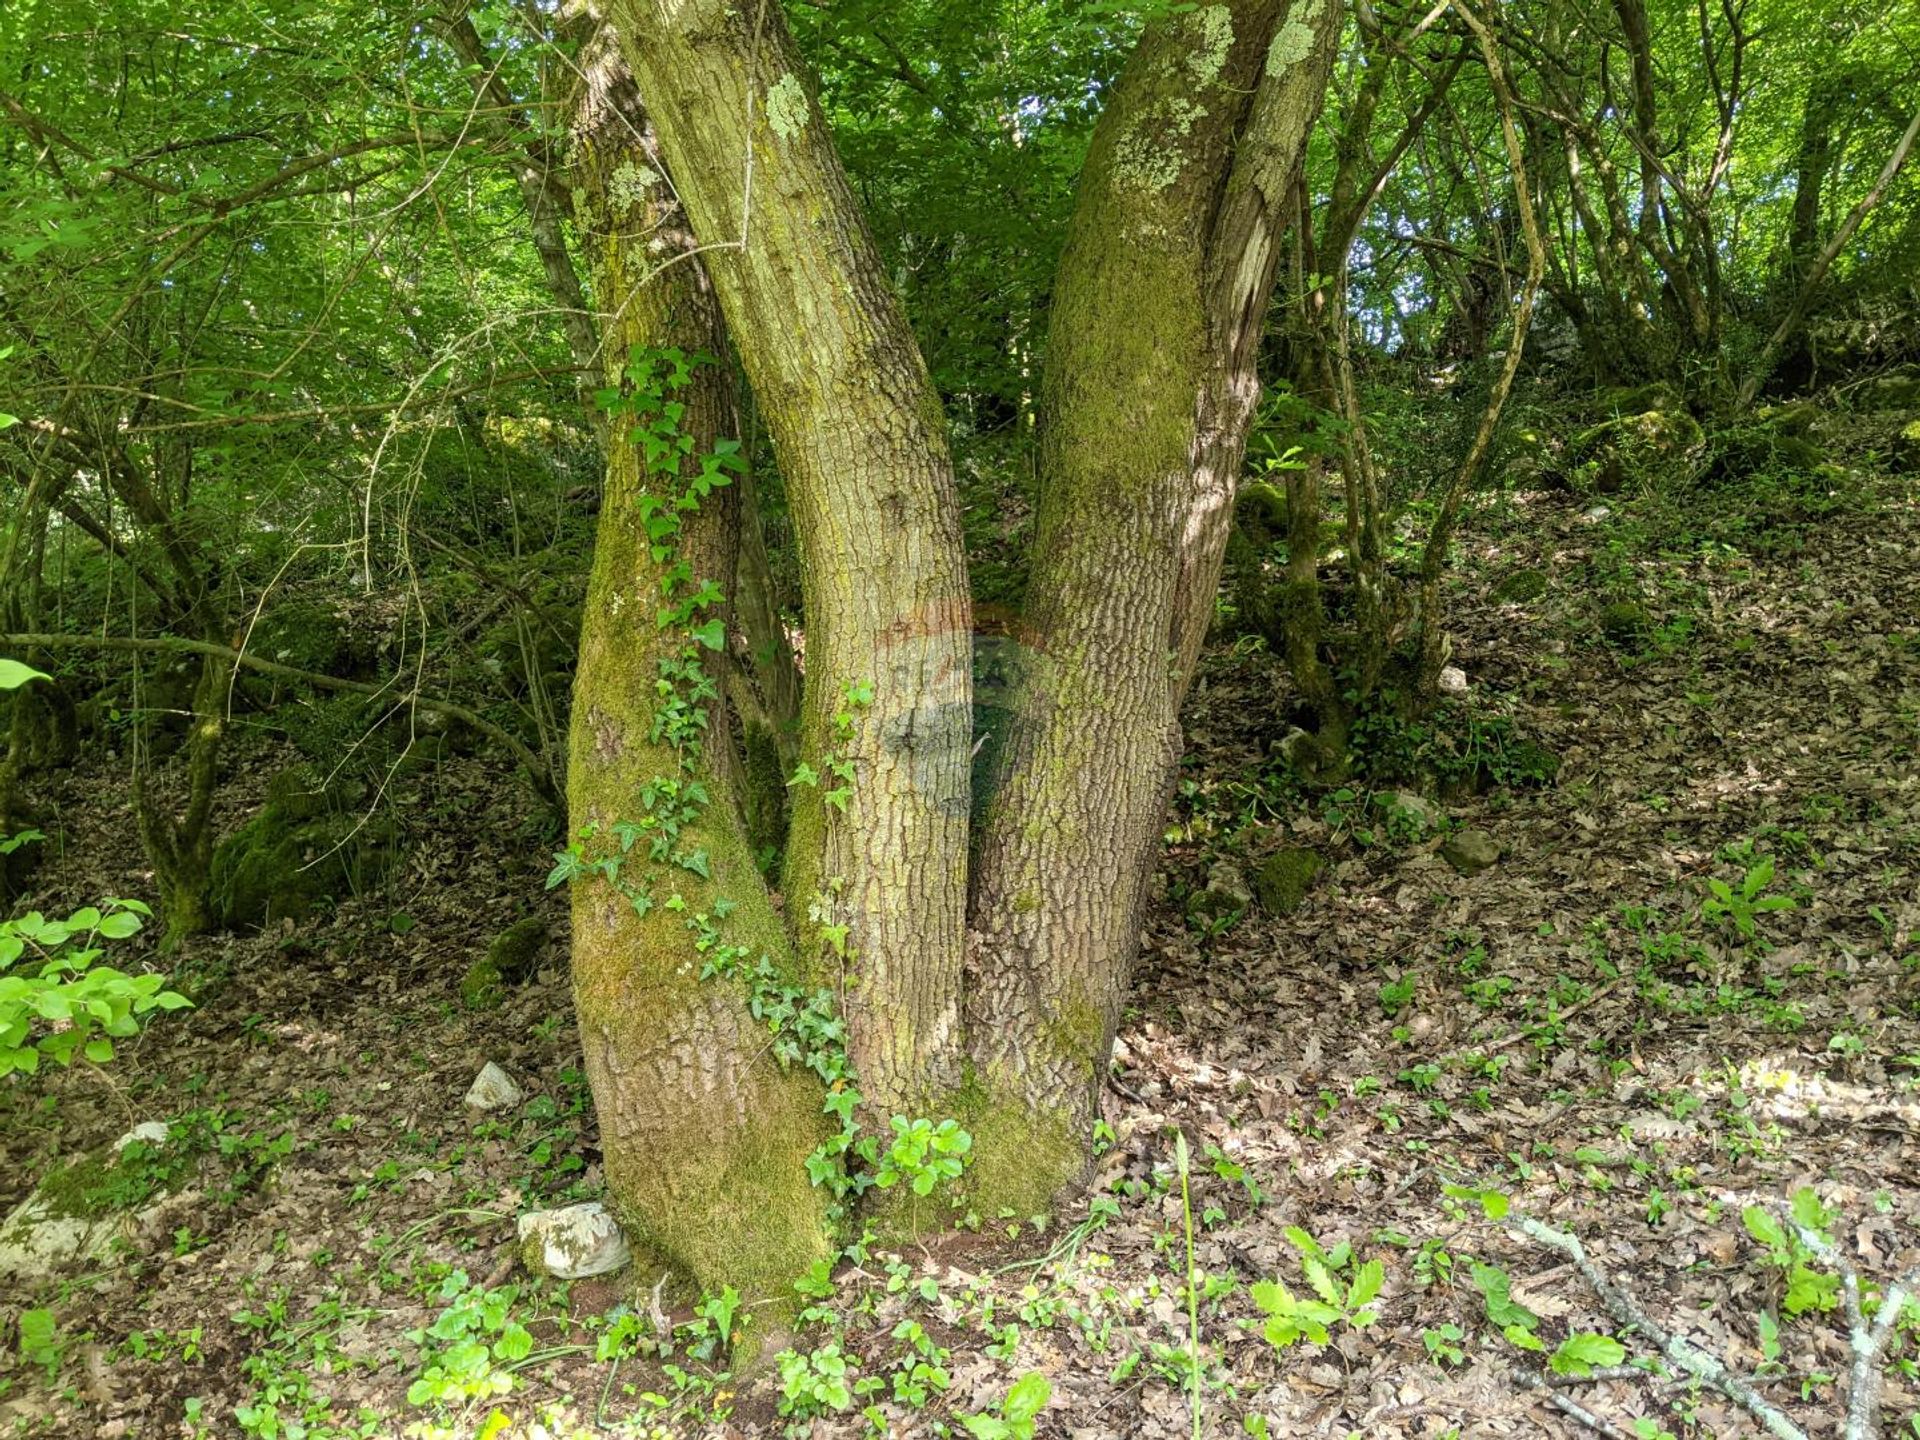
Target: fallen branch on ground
1626, 1311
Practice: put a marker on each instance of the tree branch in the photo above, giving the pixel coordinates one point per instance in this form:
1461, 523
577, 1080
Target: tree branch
537, 771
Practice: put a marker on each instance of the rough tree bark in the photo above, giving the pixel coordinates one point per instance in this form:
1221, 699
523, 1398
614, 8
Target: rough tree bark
862, 446
1148, 394
704, 1135
1148, 390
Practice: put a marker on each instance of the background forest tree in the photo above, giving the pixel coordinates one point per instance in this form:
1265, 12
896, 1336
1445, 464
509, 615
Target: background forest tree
814, 449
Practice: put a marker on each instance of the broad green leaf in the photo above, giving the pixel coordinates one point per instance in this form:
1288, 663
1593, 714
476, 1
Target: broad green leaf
1028, 1397
1809, 1212
1366, 1284
13, 674
1580, 1353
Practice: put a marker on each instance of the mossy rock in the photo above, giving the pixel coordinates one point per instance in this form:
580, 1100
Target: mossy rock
1758, 450
1520, 587
1470, 851
298, 793
1625, 622
1284, 878
298, 851
1655, 446
511, 958
87, 1208
311, 637
1225, 894
1796, 420
1893, 392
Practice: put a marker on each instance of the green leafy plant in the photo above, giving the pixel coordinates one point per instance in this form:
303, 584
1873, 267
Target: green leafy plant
923, 1154
40, 1341
921, 1371
1016, 1417
1337, 1300
711, 1331
470, 1345
1443, 1343
1515, 1320
816, 1382
1808, 1289
56, 1002
1584, 1352
1742, 905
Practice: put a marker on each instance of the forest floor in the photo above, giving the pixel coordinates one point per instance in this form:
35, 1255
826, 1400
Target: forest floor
1577, 1028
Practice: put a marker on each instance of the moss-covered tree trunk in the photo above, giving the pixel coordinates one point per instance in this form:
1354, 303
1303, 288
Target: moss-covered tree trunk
862, 446
705, 1135
179, 841
1148, 390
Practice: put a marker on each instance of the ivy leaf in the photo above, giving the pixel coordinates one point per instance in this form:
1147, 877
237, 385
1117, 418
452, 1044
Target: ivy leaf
713, 634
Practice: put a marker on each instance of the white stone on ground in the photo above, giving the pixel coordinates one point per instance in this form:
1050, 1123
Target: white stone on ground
572, 1242
493, 1089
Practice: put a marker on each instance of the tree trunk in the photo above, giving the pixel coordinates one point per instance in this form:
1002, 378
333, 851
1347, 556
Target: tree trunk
180, 846
1148, 388
705, 1135
862, 447
1816, 272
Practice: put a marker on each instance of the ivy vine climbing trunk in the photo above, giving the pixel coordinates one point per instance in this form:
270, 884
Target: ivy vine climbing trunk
1148, 391
705, 1135
876, 858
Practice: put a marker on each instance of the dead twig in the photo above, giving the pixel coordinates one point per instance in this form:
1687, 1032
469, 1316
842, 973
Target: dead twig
1567, 1405
1626, 1311
1866, 1339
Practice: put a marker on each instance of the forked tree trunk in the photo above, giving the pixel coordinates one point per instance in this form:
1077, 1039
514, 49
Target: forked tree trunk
705, 1136
1149, 389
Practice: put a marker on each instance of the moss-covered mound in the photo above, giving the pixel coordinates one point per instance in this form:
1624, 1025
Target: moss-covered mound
1906, 450
510, 960
1756, 450
1520, 587
1284, 879
1625, 622
303, 847
1653, 447
1893, 392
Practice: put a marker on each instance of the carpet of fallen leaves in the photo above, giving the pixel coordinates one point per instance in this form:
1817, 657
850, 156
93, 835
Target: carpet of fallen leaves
1572, 1027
